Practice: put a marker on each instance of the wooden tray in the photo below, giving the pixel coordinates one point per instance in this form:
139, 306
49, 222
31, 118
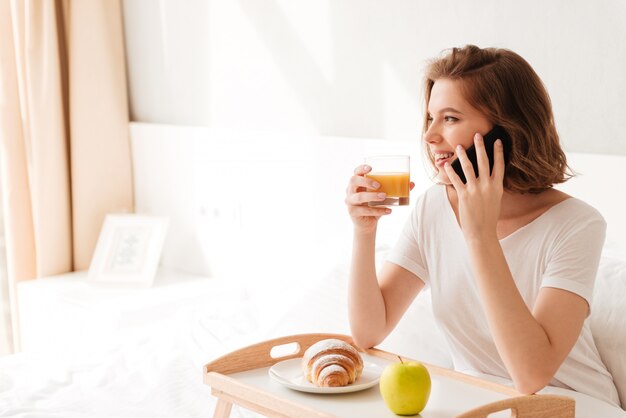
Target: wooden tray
241, 378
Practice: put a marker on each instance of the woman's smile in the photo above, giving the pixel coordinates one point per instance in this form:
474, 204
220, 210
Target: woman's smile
442, 157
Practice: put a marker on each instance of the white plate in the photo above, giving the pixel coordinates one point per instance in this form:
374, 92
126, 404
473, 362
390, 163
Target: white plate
289, 373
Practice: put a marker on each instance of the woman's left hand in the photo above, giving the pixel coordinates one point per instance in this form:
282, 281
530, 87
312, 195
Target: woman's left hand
480, 198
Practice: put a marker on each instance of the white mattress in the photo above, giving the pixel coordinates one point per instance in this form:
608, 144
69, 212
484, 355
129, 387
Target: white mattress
157, 372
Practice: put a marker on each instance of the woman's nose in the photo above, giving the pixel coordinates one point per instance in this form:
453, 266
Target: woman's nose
432, 134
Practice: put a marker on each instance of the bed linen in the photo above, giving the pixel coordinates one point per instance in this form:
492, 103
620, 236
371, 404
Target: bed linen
157, 371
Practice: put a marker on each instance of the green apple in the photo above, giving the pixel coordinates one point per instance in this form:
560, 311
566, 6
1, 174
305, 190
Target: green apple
405, 387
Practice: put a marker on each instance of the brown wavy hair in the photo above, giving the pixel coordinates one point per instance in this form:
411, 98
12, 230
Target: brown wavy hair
505, 88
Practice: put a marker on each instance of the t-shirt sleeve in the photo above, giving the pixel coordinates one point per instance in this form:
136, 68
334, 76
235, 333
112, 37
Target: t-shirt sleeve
573, 265
408, 252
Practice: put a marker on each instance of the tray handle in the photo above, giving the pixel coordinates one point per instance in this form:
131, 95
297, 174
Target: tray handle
267, 353
528, 406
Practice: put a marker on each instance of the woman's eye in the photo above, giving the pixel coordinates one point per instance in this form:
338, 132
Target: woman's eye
450, 119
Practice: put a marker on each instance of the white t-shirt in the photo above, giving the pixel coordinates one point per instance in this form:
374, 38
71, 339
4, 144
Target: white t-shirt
560, 249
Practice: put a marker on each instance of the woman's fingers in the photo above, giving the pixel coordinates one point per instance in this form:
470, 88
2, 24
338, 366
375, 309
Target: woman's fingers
360, 181
453, 177
362, 170
363, 211
362, 190
365, 197
498, 160
481, 156
466, 165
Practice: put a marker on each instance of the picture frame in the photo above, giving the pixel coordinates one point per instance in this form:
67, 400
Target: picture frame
128, 250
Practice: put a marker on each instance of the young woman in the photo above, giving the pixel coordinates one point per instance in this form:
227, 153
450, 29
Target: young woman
510, 261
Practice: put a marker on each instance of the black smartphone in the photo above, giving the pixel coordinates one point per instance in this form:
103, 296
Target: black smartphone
490, 137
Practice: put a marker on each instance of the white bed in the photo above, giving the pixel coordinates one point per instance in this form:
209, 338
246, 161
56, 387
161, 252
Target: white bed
157, 369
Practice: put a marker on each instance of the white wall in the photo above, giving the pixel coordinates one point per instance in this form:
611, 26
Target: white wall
252, 204
267, 209
352, 68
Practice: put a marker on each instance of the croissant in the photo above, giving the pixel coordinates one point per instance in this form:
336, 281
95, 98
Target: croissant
332, 363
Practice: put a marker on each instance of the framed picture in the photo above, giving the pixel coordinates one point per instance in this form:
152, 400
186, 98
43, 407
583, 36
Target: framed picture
128, 250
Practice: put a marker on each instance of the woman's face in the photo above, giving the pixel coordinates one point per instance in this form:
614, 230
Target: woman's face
452, 121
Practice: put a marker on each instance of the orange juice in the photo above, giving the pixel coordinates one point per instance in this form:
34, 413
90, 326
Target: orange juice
396, 185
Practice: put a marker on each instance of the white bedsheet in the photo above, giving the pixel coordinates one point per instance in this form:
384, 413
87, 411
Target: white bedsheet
157, 371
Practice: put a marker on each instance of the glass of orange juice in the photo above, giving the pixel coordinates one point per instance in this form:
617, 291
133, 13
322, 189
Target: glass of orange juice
392, 172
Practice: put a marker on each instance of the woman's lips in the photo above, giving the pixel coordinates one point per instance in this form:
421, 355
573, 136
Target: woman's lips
441, 160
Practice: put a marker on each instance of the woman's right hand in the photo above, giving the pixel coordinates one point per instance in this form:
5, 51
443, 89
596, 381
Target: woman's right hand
364, 217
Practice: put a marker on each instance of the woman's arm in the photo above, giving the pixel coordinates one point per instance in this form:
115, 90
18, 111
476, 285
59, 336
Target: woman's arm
375, 304
532, 345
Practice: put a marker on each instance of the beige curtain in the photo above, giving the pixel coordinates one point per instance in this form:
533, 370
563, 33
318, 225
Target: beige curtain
63, 133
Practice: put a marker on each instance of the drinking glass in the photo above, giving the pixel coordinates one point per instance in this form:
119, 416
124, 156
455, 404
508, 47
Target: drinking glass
392, 172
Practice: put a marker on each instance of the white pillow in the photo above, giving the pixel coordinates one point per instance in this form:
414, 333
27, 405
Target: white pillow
608, 317
319, 308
